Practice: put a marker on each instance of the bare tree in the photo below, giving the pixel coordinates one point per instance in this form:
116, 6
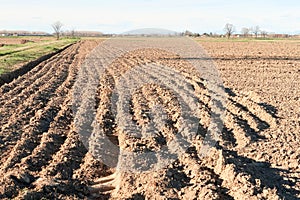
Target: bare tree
264, 33
245, 31
73, 33
255, 30
188, 33
57, 29
229, 30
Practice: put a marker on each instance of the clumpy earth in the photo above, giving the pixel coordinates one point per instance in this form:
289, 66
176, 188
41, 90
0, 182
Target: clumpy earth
257, 156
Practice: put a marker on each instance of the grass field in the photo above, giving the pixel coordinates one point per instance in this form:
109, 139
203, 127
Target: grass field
14, 54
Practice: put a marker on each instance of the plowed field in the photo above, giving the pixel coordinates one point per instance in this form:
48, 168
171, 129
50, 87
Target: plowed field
257, 157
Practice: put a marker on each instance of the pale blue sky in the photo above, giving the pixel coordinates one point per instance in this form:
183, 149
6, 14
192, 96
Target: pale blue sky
120, 16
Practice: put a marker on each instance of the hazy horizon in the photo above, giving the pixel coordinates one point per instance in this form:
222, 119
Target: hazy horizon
120, 16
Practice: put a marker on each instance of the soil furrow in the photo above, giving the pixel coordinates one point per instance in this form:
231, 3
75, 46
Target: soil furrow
22, 82
139, 101
43, 118
34, 103
24, 94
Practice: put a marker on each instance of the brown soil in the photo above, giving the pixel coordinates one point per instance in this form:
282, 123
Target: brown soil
258, 156
20, 69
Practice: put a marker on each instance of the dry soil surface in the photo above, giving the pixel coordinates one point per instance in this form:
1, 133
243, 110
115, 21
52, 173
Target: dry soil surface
258, 156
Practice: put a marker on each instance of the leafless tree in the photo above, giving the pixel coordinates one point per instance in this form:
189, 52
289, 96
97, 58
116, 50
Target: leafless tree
73, 33
255, 30
229, 30
264, 33
245, 31
57, 29
188, 33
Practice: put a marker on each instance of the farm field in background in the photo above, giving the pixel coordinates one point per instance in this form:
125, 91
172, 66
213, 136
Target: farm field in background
246, 39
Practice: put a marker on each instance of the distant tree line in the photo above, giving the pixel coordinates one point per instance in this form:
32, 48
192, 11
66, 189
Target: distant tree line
254, 31
74, 33
230, 31
58, 32
23, 33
